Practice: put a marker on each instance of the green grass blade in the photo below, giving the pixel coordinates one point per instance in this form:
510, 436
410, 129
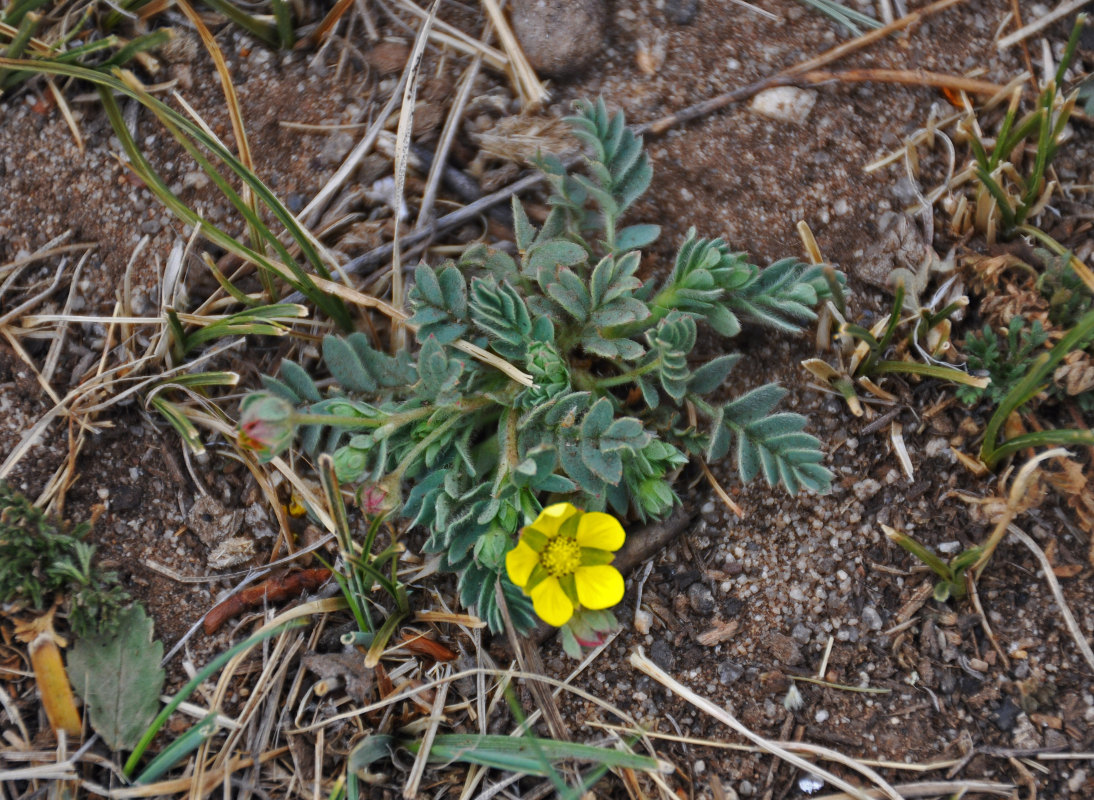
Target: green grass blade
179, 749
262, 30
177, 420
202, 675
518, 754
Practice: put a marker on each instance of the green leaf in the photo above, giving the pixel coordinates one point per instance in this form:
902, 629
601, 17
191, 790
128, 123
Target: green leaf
298, 379
498, 310
439, 303
552, 254
523, 231
120, 679
635, 237
345, 366
712, 374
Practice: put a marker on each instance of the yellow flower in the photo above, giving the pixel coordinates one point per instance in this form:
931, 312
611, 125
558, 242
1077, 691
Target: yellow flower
562, 561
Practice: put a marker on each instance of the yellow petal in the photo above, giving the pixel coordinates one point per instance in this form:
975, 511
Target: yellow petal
598, 587
551, 518
601, 531
519, 563
551, 603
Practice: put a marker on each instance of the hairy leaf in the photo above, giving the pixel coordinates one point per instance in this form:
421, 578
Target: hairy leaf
120, 678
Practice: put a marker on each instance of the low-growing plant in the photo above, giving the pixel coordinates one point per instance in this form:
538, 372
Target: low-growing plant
1006, 199
603, 405
1035, 380
909, 342
43, 561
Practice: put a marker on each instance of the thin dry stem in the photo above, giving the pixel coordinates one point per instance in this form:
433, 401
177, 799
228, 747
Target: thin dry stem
643, 664
1050, 577
448, 34
448, 135
1028, 30
402, 148
397, 315
531, 91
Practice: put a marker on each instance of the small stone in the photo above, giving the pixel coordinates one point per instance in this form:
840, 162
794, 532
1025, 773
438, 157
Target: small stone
1025, 735
642, 621
231, 552
871, 618
125, 498
745, 789
559, 36
821, 715
336, 148
784, 649
701, 599
681, 12
1007, 715
730, 671
662, 655
1076, 781
801, 633
785, 103
212, 522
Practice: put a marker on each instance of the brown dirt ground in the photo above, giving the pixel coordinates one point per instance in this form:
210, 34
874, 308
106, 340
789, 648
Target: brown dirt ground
792, 576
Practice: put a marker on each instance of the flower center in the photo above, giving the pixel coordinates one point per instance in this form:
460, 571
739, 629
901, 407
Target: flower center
561, 556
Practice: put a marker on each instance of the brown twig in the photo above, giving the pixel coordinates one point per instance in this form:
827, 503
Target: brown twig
906, 77
788, 76
272, 590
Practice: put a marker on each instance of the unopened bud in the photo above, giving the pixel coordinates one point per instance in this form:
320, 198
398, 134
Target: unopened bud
265, 424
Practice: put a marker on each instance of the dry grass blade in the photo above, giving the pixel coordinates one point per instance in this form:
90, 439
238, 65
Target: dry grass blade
901, 766
1028, 30
723, 495
937, 789
790, 75
643, 664
402, 148
459, 40
397, 315
1050, 576
448, 135
235, 113
66, 113
436, 714
528, 85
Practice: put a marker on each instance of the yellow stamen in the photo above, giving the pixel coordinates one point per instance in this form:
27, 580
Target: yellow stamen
561, 556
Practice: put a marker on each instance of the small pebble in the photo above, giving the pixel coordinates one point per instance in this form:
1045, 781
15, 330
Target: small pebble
821, 715
729, 671
1076, 781
559, 37
785, 103
871, 618
784, 649
661, 653
681, 12
701, 599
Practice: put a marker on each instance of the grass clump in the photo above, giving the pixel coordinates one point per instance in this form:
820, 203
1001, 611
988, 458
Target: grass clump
604, 405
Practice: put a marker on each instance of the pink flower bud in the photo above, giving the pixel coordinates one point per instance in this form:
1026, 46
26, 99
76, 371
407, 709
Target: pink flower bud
265, 424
